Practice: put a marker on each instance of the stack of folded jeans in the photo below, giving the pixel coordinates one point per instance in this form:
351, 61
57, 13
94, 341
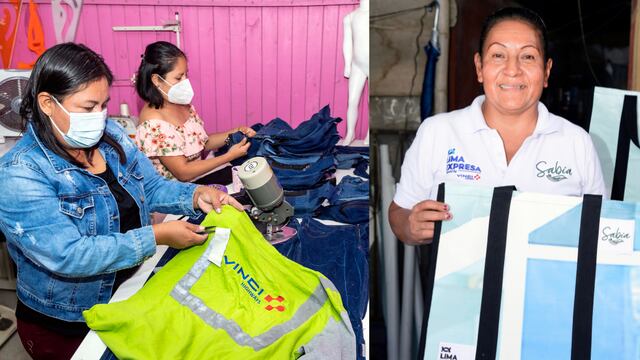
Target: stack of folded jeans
301, 158
349, 202
302, 172
356, 157
306, 202
341, 253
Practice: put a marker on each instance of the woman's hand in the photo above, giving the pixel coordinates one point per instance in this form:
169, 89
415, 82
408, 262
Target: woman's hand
416, 226
207, 198
247, 131
422, 220
240, 149
178, 234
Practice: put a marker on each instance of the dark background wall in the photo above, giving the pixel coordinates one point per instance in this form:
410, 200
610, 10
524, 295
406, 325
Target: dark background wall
606, 36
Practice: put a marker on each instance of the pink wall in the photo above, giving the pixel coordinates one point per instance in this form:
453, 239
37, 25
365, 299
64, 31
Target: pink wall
249, 61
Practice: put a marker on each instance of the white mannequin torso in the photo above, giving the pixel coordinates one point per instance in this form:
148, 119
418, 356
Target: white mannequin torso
356, 56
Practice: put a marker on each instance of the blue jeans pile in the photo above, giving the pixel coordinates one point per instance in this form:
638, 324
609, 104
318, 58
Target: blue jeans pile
306, 202
301, 158
349, 202
340, 253
348, 157
301, 173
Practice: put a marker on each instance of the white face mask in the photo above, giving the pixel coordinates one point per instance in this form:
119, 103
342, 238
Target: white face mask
85, 129
180, 93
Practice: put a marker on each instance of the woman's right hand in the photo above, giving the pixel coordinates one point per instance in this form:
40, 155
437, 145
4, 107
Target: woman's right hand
422, 220
239, 149
178, 234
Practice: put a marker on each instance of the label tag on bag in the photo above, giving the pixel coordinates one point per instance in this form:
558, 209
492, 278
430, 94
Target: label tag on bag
616, 236
219, 244
456, 351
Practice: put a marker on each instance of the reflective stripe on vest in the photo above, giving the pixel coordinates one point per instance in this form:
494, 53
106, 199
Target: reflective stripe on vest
181, 292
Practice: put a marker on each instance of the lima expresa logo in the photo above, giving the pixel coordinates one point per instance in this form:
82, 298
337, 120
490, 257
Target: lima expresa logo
458, 166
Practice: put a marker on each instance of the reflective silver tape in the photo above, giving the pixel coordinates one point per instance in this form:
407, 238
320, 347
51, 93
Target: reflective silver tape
181, 293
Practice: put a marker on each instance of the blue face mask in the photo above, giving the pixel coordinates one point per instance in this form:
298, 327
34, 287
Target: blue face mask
85, 129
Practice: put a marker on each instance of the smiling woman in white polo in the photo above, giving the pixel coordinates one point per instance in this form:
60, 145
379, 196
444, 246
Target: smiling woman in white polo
505, 137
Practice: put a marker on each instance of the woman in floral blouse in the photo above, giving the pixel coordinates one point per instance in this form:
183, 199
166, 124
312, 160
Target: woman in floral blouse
171, 133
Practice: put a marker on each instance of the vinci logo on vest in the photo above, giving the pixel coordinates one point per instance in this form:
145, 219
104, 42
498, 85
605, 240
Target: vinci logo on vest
278, 307
247, 281
253, 288
451, 351
458, 166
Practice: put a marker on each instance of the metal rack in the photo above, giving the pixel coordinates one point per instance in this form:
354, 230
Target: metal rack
174, 26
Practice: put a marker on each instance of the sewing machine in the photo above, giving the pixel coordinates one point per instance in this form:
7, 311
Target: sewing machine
270, 212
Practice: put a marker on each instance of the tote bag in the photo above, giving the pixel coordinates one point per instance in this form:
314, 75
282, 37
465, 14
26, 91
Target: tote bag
529, 276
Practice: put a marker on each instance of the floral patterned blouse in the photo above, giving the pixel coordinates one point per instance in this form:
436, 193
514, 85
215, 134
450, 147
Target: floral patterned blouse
157, 137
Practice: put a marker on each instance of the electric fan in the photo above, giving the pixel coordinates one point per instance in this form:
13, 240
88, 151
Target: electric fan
12, 86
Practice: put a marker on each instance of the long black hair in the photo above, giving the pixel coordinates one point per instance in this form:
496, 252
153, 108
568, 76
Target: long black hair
63, 70
520, 14
159, 58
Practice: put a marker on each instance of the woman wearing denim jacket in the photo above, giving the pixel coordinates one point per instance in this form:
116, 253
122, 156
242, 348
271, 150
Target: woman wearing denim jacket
75, 202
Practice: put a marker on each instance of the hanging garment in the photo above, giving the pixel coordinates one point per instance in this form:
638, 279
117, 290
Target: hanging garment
531, 276
615, 130
256, 305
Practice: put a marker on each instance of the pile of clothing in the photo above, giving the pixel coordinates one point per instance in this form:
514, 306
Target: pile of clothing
348, 203
301, 158
341, 253
353, 157
304, 160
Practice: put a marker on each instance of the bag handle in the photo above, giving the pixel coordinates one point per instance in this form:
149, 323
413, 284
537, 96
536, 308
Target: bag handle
585, 278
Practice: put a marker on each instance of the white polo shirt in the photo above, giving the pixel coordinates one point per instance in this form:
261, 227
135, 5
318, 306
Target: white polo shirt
558, 158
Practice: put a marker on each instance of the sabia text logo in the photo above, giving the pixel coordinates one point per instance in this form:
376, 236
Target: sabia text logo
614, 237
249, 283
456, 164
553, 173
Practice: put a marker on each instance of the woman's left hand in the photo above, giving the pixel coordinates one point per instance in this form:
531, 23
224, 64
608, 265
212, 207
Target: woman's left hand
207, 198
247, 131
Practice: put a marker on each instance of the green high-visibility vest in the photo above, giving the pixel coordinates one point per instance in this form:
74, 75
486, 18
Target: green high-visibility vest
256, 305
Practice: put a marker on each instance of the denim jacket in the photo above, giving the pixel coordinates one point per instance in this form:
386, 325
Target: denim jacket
62, 226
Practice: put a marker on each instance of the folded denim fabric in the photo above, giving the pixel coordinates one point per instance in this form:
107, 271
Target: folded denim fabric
348, 157
350, 212
350, 188
305, 202
347, 161
362, 169
314, 137
362, 150
302, 176
341, 253
296, 160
